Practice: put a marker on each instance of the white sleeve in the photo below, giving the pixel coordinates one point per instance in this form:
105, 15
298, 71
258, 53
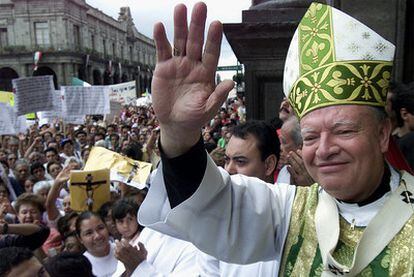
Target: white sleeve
184, 266
237, 219
208, 265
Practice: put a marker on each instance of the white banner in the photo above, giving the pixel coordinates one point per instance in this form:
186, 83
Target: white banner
124, 93
10, 123
6, 121
33, 94
85, 100
57, 113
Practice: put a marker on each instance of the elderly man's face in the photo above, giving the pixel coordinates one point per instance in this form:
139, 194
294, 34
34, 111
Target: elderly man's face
343, 150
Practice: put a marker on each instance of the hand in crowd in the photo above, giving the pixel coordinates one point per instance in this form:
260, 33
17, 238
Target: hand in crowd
130, 256
296, 167
183, 88
63, 175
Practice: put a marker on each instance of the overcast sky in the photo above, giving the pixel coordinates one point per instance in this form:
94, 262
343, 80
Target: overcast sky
147, 12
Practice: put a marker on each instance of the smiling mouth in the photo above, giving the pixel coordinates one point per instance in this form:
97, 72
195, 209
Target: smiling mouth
330, 167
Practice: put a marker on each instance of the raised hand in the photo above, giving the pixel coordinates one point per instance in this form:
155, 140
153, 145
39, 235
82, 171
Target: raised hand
183, 88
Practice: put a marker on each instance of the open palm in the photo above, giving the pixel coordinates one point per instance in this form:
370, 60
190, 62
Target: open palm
184, 93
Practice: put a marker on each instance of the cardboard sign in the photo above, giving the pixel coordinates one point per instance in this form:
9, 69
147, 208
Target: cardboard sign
123, 169
33, 94
89, 189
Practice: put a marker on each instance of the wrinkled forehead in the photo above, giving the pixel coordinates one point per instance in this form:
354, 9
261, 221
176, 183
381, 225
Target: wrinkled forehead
331, 116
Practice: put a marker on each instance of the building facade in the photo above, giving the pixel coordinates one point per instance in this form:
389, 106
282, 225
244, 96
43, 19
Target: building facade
76, 40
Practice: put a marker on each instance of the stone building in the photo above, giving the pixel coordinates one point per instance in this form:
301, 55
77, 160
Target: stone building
76, 40
261, 41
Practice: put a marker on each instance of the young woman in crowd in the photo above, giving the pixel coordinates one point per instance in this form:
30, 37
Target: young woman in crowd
94, 236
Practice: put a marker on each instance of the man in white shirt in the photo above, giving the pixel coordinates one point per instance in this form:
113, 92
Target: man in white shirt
253, 150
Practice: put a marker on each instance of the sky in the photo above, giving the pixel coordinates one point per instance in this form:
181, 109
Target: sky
147, 12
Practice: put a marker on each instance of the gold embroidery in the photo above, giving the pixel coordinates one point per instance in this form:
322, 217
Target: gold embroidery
402, 251
310, 241
294, 226
305, 206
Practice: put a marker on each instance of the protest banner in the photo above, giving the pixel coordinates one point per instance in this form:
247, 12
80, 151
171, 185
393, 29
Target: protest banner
89, 189
33, 94
85, 100
123, 169
57, 113
124, 93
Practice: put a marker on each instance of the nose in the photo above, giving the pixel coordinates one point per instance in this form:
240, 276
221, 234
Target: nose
327, 148
96, 235
230, 167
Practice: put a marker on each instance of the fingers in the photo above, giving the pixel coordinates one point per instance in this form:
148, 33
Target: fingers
162, 44
196, 34
213, 44
180, 30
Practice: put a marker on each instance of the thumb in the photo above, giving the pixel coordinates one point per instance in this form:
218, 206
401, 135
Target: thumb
219, 95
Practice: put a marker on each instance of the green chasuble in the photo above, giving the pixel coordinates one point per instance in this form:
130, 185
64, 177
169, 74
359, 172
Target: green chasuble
302, 256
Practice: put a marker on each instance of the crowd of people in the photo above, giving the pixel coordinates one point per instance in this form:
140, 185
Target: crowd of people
35, 208
42, 235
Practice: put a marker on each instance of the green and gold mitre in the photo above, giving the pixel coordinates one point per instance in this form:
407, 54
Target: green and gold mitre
334, 59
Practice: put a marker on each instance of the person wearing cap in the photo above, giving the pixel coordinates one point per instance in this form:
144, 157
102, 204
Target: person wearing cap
358, 216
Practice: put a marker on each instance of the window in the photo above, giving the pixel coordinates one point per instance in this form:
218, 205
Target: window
104, 46
3, 37
76, 36
93, 42
113, 50
122, 52
131, 54
42, 33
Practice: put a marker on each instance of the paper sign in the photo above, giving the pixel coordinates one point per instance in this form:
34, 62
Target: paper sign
124, 93
123, 169
89, 189
49, 116
85, 100
33, 94
6, 120
115, 111
10, 123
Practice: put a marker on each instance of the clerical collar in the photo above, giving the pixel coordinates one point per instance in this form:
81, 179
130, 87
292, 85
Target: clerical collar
382, 189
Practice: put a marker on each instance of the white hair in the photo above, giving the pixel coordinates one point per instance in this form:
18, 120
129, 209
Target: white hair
38, 186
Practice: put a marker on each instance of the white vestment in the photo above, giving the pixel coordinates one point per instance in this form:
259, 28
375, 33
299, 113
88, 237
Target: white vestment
236, 218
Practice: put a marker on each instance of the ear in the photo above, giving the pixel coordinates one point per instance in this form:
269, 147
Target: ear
385, 130
270, 164
403, 113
